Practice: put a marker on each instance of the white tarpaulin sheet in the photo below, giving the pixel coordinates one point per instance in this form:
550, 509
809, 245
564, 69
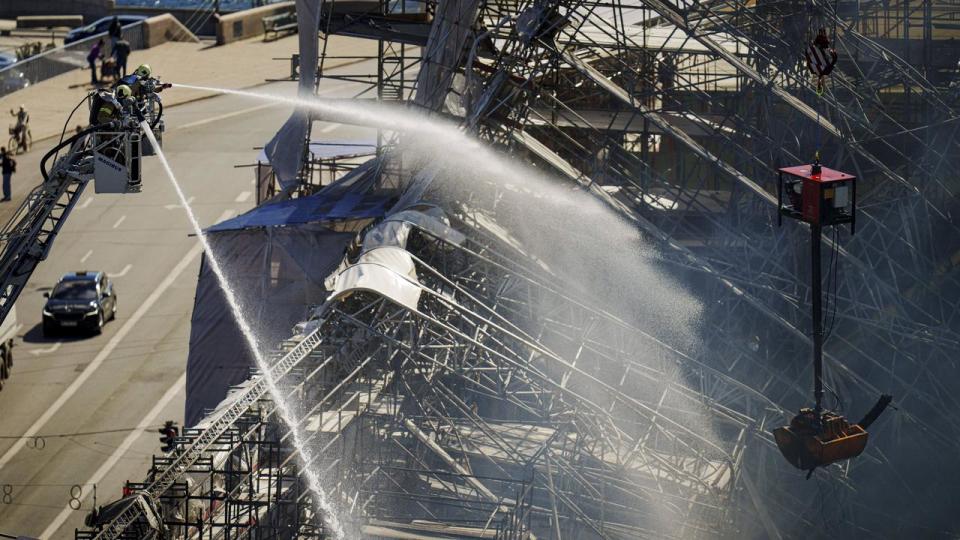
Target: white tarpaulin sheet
285, 150
388, 271
395, 229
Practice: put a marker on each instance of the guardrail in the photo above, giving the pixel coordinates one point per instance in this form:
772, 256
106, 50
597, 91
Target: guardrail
62, 59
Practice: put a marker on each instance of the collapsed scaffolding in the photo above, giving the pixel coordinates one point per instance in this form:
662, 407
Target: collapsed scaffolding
433, 397
453, 402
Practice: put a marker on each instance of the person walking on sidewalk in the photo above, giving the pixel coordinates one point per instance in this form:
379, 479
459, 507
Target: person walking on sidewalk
7, 166
116, 30
95, 54
121, 51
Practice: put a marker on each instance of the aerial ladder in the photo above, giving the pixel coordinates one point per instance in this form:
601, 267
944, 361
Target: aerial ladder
108, 153
138, 514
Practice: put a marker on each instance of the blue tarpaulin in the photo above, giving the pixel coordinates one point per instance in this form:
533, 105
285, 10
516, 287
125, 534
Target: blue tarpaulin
318, 207
348, 198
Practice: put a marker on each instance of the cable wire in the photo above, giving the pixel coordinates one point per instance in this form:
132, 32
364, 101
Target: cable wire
63, 132
79, 433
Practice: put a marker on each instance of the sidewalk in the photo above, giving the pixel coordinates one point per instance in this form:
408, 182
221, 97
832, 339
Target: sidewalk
242, 64
9, 43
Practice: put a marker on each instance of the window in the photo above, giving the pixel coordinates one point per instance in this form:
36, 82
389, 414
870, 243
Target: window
75, 290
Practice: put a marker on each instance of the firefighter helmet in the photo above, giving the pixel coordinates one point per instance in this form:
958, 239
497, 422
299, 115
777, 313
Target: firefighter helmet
123, 91
143, 71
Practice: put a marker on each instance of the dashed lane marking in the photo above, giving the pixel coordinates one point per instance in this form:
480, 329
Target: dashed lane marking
122, 272
111, 462
47, 350
131, 323
175, 206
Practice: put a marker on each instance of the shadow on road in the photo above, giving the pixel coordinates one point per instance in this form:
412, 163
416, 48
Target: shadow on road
35, 335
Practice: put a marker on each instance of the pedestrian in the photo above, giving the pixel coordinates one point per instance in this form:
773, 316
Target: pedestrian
121, 50
7, 166
95, 54
115, 31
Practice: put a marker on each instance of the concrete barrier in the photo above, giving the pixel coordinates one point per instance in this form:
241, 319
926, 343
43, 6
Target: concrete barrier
163, 28
200, 23
49, 21
88, 9
247, 23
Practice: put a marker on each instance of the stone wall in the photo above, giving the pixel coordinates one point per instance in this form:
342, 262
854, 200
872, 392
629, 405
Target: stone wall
163, 28
202, 24
49, 21
89, 9
247, 23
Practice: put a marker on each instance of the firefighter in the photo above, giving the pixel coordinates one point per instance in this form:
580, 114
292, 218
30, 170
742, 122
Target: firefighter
128, 102
136, 79
105, 107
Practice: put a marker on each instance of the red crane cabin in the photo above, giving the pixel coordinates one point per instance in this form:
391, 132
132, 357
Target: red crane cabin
823, 198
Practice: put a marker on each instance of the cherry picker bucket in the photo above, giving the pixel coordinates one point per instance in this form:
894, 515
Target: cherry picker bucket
808, 443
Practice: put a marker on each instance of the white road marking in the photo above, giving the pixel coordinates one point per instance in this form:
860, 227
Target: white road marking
86, 203
86, 256
243, 196
228, 115
53, 348
119, 221
175, 206
106, 351
141, 430
330, 128
122, 272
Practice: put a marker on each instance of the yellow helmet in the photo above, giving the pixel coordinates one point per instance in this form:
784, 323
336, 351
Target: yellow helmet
143, 71
123, 91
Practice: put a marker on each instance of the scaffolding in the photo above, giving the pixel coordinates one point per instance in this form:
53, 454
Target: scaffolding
486, 397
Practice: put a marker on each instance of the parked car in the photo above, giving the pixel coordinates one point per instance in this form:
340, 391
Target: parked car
100, 26
12, 80
7, 60
80, 300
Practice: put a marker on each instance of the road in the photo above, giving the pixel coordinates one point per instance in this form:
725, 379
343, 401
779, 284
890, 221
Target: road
109, 393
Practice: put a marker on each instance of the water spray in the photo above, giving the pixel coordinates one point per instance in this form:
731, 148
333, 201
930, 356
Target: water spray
571, 231
286, 413
465, 162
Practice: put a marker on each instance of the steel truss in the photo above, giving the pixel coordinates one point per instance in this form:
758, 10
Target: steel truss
685, 185
458, 413
509, 406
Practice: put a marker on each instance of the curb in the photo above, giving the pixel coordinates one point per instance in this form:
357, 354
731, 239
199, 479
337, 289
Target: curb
212, 95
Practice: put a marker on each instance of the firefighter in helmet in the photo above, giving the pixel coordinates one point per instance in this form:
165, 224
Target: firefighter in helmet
105, 107
136, 79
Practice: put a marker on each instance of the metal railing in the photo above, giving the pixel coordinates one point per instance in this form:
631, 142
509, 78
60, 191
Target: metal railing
57, 61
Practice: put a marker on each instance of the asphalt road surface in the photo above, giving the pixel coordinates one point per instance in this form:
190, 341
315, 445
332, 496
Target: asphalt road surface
95, 403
